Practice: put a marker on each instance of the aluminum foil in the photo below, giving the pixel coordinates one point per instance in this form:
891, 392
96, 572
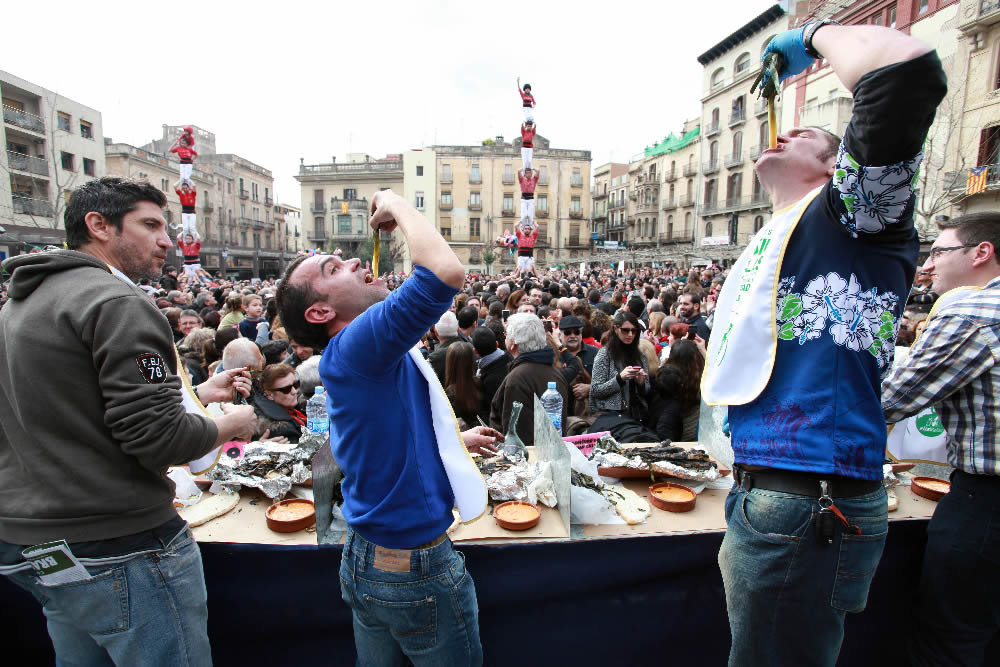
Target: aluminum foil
612, 460
273, 468
514, 483
674, 470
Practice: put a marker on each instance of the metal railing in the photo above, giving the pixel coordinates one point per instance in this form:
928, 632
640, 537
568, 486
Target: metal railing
760, 108
478, 206
508, 180
669, 175
244, 194
690, 170
576, 214
349, 236
335, 168
318, 235
28, 163
541, 212
337, 204
755, 153
445, 178
759, 200
737, 117
576, 184
268, 201
207, 207
712, 129
445, 207
29, 206
734, 159
23, 120
317, 207
669, 204
710, 167
677, 237
244, 221
686, 200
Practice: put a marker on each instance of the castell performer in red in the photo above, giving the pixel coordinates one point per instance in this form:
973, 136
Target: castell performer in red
184, 147
190, 245
528, 130
526, 237
188, 195
527, 101
528, 180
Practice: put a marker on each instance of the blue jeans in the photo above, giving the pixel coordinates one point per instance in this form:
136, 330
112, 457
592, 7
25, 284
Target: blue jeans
787, 595
427, 614
958, 612
148, 608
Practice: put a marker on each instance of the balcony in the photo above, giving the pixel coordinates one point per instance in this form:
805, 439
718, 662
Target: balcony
576, 214
710, 167
244, 194
755, 152
711, 207
337, 204
712, 129
348, 235
445, 206
507, 213
259, 224
690, 170
687, 200
597, 193
478, 206
445, 177
207, 207
23, 120
244, 221
29, 206
508, 180
730, 204
988, 13
734, 160
574, 242
676, 237
738, 117
670, 175
317, 207
318, 235
669, 204
760, 107
576, 184
475, 180
542, 213
268, 201
32, 165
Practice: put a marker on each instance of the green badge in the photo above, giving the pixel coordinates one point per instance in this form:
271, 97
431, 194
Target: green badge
929, 424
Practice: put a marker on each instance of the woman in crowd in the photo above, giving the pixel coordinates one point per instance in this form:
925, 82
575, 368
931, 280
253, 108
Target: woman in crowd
621, 375
680, 392
461, 385
232, 312
515, 299
277, 403
192, 351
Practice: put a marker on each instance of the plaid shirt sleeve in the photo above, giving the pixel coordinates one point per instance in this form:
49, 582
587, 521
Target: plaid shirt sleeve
949, 354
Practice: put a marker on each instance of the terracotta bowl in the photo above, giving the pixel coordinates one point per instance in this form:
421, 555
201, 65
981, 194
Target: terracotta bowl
672, 497
505, 517
299, 513
929, 487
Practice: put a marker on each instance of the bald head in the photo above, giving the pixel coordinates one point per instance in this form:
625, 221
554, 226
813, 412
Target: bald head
242, 353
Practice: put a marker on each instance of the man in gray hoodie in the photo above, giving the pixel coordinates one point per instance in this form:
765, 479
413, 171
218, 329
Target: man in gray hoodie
91, 416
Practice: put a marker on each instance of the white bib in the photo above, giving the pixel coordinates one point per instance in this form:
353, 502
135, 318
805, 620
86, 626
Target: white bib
745, 336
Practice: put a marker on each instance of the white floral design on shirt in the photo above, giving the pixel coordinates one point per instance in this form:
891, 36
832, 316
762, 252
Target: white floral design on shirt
874, 196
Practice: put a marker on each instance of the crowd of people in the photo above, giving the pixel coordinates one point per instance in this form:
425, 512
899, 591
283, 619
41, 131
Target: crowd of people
798, 339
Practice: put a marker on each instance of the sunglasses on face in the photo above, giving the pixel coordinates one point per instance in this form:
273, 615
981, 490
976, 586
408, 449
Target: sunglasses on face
287, 389
572, 332
630, 331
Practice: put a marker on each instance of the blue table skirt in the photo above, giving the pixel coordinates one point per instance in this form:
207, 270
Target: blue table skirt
629, 601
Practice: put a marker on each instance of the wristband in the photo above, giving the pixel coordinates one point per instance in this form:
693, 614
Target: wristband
810, 32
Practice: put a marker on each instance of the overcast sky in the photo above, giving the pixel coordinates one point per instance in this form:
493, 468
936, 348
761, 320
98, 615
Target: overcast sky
279, 81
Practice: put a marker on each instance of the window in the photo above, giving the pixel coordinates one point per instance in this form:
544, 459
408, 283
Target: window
267, 241
343, 223
474, 175
473, 229
256, 239
577, 180
88, 167
243, 210
718, 76
542, 202
711, 193
708, 228
543, 175
350, 193
989, 143
574, 205
446, 199
735, 187
758, 222
86, 130
892, 16
713, 152
67, 161
508, 201
763, 137
65, 120
922, 6
475, 200
877, 19
420, 170
446, 173
243, 239
418, 200
737, 145
446, 228
508, 173
317, 200
320, 225
742, 64
164, 185
687, 222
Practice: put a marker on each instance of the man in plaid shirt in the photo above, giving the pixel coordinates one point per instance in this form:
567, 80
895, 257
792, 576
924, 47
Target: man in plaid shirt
953, 366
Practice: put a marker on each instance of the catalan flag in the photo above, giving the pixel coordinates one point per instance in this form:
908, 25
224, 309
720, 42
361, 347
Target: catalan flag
977, 180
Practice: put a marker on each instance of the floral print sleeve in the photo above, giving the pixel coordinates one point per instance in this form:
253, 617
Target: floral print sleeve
874, 197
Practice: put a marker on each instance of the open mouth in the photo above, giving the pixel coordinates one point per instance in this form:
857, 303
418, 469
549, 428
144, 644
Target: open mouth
369, 278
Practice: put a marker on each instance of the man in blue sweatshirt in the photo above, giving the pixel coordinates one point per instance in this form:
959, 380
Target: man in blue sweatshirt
405, 467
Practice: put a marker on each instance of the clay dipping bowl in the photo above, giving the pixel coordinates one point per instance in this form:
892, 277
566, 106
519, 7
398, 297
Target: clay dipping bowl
288, 516
517, 515
930, 488
672, 497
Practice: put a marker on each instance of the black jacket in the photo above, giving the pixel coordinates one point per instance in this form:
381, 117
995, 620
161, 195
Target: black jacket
490, 379
281, 423
437, 357
168, 282
698, 322
527, 377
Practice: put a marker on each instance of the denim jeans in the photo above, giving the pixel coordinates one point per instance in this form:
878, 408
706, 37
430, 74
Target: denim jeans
147, 608
787, 595
427, 614
958, 612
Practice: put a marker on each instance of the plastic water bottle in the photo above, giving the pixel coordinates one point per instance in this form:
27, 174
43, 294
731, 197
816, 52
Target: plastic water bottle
553, 404
317, 418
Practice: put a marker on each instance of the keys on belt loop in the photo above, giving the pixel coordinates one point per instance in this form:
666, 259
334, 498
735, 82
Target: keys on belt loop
829, 513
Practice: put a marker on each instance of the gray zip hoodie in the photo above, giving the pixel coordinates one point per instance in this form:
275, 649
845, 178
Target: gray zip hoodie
90, 404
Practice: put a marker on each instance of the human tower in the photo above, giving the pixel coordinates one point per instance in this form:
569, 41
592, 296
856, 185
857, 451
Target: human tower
525, 232
189, 242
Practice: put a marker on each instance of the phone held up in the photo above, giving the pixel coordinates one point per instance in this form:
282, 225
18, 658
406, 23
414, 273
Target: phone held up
692, 334
548, 325
505, 314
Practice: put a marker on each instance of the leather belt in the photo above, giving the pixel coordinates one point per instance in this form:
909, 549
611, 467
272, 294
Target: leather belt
433, 543
802, 483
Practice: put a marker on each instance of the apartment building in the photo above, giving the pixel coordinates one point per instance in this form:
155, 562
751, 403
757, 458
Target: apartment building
732, 205
288, 220
339, 196
600, 199
53, 144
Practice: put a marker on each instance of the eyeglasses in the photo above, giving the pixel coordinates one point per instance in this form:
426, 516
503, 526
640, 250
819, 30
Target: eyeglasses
572, 332
287, 389
627, 332
937, 251
254, 372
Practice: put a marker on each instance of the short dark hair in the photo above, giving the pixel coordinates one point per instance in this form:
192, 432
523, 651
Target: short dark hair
976, 228
274, 351
636, 305
110, 196
467, 317
833, 143
292, 303
695, 298
187, 312
484, 341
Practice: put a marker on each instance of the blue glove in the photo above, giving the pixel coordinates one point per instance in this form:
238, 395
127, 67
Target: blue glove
793, 51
